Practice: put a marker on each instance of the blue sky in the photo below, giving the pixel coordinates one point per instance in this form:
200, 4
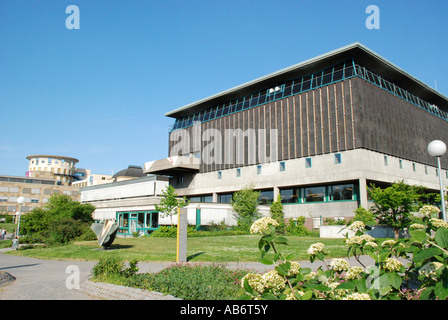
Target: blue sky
100, 93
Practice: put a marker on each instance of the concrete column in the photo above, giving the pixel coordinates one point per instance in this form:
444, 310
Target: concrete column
276, 193
363, 193
215, 197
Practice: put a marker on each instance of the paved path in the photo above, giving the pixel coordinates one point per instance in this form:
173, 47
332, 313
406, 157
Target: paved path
38, 279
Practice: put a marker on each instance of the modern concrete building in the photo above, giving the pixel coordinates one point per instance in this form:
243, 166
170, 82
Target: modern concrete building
316, 133
129, 201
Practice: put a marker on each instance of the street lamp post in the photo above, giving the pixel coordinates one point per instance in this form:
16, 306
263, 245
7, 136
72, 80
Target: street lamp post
437, 149
20, 201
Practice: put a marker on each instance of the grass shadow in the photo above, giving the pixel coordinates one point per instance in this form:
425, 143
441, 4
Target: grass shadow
191, 257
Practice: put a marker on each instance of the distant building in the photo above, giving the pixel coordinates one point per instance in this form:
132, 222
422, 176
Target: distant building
90, 179
36, 192
59, 168
46, 175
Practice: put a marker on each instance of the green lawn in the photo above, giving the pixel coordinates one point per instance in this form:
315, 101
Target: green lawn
241, 248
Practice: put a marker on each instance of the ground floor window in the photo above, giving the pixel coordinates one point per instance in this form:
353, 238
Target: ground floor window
266, 196
320, 193
141, 222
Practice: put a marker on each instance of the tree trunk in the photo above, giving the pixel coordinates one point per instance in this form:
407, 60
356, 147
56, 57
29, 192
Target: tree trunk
396, 234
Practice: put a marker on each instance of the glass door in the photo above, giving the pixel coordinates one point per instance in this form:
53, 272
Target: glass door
133, 223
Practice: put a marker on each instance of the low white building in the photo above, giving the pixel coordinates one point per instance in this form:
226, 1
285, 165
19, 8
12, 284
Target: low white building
132, 204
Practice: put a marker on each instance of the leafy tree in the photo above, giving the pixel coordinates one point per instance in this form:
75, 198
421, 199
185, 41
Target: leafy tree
245, 204
63, 206
393, 206
361, 214
277, 214
170, 202
59, 221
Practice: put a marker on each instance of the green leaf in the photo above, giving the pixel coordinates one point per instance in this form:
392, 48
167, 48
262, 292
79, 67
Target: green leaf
281, 240
426, 294
418, 235
247, 287
441, 237
395, 280
317, 286
361, 285
346, 286
305, 271
283, 268
307, 295
426, 253
385, 284
440, 291
266, 260
320, 256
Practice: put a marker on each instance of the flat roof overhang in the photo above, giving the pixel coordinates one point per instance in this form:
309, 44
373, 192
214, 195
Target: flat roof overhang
357, 51
172, 166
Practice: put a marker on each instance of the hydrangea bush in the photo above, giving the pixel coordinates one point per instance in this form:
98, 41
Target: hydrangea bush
408, 268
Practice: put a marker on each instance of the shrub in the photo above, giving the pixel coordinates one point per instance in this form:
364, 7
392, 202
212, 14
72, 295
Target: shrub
425, 277
245, 205
165, 232
277, 214
65, 230
192, 282
112, 267
109, 266
169, 231
296, 227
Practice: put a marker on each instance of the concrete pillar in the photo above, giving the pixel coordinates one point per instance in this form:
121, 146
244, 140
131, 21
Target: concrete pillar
276, 193
363, 193
215, 197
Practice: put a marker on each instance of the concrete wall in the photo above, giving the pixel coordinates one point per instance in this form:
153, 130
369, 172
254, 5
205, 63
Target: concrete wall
376, 232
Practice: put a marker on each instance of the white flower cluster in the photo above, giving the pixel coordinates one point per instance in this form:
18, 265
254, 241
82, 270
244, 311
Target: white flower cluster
429, 269
371, 244
429, 211
357, 225
417, 226
357, 296
294, 268
336, 294
262, 226
269, 280
438, 223
316, 248
359, 239
339, 265
389, 243
392, 264
273, 280
255, 281
354, 273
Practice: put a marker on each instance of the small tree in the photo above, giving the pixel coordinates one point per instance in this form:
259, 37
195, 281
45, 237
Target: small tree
367, 217
245, 204
393, 206
277, 214
170, 202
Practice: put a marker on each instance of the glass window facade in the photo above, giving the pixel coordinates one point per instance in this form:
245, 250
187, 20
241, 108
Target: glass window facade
320, 193
225, 197
142, 222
